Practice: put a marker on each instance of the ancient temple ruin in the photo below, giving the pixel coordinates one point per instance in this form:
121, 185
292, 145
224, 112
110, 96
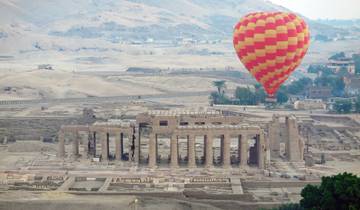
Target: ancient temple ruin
181, 139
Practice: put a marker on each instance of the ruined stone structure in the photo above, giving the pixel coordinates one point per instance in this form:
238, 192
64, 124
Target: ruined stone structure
294, 144
42, 127
240, 145
289, 135
274, 136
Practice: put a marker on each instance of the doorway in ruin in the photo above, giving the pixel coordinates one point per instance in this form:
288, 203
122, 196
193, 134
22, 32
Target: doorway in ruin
97, 146
92, 144
126, 143
144, 150
253, 151
83, 143
235, 150
200, 150
108, 146
217, 148
183, 151
144, 131
111, 146
163, 154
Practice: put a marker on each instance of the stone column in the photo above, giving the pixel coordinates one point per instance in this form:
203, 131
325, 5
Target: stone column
174, 152
104, 146
274, 136
5, 141
118, 146
136, 132
61, 150
152, 150
209, 151
244, 149
261, 150
191, 151
294, 152
226, 151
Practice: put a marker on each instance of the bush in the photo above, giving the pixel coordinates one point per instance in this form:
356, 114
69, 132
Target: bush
340, 192
245, 95
343, 106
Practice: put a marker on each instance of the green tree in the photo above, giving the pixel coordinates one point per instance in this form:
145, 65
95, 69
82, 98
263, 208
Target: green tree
323, 81
281, 95
245, 95
220, 85
336, 83
323, 69
343, 71
337, 56
260, 96
340, 192
356, 58
343, 106
214, 96
357, 105
299, 86
219, 98
313, 69
338, 87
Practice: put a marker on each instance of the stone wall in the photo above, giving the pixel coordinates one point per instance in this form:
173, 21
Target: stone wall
45, 128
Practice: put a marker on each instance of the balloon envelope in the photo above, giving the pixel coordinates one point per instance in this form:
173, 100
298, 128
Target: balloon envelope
271, 46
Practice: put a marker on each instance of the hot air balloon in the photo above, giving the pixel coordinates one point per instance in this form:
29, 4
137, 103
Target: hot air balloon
271, 45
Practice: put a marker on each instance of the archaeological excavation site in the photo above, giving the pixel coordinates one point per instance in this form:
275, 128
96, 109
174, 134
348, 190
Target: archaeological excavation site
208, 157
179, 105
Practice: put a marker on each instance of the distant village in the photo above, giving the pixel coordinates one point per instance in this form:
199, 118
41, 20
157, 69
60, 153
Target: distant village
334, 87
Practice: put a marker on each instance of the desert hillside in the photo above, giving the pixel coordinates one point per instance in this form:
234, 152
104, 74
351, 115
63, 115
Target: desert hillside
114, 35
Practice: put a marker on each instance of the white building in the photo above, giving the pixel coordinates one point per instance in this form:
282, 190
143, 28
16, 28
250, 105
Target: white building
309, 104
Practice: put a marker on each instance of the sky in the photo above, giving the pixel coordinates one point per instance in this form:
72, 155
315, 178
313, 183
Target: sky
323, 9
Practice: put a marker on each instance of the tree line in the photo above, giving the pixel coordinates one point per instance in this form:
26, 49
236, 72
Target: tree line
255, 94
339, 192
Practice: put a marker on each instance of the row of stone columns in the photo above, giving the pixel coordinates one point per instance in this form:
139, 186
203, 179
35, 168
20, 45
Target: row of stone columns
174, 150
208, 152
75, 144
61, 150
104, 142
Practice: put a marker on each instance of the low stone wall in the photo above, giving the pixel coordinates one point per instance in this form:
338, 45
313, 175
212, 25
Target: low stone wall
30, 128
204, 195
196, 185
277, 184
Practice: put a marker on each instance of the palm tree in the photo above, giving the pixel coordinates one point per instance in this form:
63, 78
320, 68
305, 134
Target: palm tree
220, 84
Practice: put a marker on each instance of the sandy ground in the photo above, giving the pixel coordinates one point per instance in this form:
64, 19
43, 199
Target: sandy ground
18, 70
64, 201
36, 84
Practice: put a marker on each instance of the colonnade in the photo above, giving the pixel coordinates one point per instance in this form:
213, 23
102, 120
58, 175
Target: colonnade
96, 137
100, 137
244, 154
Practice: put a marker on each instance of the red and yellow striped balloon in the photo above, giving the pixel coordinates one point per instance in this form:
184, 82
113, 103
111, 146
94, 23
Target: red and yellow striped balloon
271, 46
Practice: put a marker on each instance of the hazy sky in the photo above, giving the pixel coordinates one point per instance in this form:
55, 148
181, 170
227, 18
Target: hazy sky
332, 9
